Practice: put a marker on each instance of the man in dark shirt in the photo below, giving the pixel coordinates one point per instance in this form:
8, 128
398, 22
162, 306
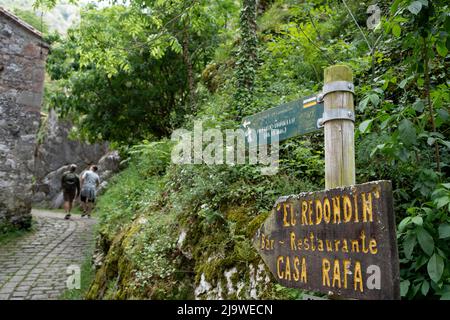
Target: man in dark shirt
70, 184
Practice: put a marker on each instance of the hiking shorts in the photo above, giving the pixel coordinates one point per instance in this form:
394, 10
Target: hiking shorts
87, 195
69, 195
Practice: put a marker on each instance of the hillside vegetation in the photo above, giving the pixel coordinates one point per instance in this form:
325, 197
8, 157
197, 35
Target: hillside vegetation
170, 231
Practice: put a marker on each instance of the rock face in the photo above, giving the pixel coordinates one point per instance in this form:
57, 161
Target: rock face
22, 72
108, 165
57, 152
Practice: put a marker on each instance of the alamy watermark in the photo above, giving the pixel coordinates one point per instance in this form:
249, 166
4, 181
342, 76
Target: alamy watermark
231, 147
74, 279
375, 16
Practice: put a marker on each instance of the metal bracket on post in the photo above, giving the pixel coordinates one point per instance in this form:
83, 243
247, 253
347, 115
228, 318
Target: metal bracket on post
335, 114
334, 87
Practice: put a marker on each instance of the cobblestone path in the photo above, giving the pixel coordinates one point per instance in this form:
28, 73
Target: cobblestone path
35, 265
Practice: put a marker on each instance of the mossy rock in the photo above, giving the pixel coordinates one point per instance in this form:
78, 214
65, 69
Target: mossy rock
256, 223
116, 265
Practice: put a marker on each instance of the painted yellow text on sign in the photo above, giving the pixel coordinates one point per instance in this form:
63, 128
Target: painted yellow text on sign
339, 241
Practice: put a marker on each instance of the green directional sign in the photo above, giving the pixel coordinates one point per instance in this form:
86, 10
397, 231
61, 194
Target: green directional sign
288, 120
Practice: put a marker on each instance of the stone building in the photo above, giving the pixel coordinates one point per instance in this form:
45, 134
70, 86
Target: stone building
22, 72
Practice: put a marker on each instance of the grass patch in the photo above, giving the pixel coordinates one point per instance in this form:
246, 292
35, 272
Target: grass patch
14, 235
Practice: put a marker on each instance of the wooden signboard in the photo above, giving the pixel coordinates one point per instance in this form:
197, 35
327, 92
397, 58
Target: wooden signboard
339, 242
288, 120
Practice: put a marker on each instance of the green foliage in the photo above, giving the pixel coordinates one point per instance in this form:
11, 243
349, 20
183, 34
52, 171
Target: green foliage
125, 75
10, 233
135, 187
153, 157
105, 101
403, 139
154, 253
219, 208
423, 242
246, 58
32, 19
128, 193
49, 4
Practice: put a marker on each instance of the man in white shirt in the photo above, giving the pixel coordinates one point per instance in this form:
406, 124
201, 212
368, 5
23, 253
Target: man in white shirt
89, 184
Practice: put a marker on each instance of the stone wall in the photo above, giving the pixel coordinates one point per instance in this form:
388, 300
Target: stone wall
22, 73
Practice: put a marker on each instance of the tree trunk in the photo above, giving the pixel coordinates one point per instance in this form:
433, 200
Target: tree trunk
428, 99
247, 58
189, 70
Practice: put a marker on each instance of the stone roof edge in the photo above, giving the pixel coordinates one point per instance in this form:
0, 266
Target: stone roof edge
24, 25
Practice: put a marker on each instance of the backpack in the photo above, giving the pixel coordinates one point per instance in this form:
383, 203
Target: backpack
70, 181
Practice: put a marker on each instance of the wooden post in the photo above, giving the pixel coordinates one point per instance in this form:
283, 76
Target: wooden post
339, 133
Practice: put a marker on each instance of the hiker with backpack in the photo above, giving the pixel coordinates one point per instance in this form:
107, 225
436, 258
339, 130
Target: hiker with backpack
70, 184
